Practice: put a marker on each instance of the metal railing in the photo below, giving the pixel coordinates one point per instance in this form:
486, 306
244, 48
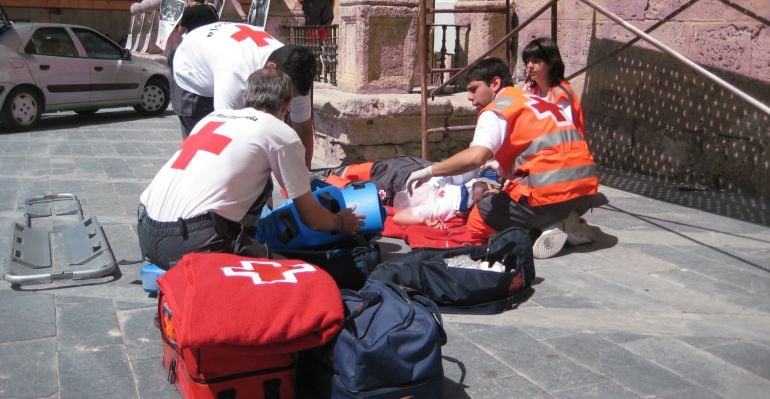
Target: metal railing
426, 70
640, 35
322, 40
438, 58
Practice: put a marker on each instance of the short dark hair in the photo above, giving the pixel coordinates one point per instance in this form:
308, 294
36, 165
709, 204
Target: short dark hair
299, 63
545, 49
267, 89
486, 69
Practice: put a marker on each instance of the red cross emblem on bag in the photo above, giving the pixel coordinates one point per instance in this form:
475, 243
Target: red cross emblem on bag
268, 272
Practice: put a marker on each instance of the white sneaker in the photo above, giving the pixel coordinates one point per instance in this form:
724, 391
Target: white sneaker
578, 231
550, 242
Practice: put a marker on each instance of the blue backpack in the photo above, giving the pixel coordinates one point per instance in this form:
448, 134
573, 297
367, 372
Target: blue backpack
390, 347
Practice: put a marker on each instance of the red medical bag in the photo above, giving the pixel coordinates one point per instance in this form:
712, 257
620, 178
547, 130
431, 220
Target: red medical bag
229, 373
231, 325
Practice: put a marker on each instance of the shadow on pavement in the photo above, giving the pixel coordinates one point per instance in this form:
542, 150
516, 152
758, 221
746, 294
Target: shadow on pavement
455, 389
602, 241
70, 120
660, 223
752, 209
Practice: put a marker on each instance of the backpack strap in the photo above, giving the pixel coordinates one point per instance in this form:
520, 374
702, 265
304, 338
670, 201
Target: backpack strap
255, 210
492, 307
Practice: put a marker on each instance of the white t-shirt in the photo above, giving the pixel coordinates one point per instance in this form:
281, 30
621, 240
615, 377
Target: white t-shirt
215, 60
491, 130
225, 164
435, 199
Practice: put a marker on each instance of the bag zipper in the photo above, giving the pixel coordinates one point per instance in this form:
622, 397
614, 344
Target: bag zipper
243, 375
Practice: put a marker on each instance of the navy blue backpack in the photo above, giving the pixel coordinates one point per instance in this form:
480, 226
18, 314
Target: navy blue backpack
390, 347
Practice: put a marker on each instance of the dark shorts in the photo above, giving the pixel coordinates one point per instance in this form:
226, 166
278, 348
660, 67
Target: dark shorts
390, 175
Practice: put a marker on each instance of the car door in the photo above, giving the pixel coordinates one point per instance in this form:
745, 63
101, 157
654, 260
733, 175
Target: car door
113, 77
57, 68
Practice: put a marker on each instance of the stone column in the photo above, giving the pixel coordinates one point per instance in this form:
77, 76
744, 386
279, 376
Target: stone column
378, 45
486, 28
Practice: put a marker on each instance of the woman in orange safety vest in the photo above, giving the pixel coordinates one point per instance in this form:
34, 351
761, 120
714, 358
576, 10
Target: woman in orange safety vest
551, 174
545, 78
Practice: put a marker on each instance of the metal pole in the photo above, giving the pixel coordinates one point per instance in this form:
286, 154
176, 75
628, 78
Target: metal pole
508, 30
554, 20
493, 48
662, 47
634, 40
422, 49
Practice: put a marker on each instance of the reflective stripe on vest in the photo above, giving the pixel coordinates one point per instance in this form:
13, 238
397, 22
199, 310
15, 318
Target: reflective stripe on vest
558, 89
559, 176
547, 141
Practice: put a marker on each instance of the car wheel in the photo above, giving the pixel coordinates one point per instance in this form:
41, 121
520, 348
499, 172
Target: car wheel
154, 99
22, 109
86, 112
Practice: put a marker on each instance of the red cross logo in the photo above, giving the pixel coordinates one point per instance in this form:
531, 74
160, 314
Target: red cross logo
246, 32
544, 108
266, 272
440, 193
204, 140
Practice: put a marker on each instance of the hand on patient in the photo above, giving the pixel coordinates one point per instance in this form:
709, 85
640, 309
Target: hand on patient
417, 178
435, 223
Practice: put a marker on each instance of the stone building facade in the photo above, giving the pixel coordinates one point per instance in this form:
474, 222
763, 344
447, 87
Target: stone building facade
644, 111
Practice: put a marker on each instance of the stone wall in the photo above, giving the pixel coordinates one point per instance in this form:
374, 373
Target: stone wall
363, 127
647, 113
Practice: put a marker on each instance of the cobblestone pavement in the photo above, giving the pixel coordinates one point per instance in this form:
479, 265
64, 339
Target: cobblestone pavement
671, 302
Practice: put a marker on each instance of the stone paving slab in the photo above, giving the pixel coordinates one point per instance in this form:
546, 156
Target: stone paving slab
670, 302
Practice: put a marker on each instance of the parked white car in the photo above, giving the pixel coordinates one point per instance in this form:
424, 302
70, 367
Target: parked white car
47, 67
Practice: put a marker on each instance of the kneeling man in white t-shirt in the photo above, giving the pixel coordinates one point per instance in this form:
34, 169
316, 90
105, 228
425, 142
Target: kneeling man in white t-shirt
212, 189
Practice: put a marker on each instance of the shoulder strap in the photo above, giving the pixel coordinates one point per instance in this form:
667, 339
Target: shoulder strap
213, 9
255, 211
562, 89
491, 307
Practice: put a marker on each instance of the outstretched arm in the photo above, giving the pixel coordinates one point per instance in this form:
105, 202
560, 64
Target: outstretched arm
408, 217
305, 132
466, 160
317, 217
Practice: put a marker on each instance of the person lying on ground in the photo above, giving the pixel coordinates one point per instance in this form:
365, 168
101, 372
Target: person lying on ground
436, 202
551, 171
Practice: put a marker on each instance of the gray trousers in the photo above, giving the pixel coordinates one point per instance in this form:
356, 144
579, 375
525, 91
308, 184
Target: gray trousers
189, 107
164, 243
499, 211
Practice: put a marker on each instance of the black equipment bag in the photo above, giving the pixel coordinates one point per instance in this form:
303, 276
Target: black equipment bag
348, 262
467, 290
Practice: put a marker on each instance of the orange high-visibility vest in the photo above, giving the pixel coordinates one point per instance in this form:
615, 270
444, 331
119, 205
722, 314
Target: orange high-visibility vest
563, 91
545, 157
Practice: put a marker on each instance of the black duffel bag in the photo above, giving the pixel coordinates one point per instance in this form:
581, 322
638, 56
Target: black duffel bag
348, 262
468, 290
